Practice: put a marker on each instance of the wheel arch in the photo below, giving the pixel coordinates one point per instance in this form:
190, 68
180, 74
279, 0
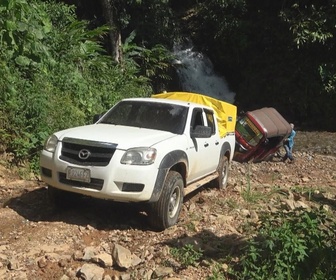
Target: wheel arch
226, 151
224, 158
175, 160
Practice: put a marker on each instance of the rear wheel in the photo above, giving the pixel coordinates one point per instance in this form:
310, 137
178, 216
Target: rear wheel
223, 171
165, 212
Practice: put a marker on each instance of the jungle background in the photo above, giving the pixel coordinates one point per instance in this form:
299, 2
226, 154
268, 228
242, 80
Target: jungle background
64, 61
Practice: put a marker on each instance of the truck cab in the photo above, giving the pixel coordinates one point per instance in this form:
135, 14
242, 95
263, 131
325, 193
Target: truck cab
144, 150
259, 134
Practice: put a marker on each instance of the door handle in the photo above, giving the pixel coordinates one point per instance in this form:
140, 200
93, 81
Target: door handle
206, 144
216, 143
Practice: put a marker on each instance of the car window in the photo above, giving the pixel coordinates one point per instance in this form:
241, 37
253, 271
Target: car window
151, 115
248, 131
210, 120
197, 118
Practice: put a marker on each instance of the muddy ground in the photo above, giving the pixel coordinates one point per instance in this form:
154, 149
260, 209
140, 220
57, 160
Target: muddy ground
37, 242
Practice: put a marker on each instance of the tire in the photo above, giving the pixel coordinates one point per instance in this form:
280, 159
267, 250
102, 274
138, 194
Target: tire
165, 212
223, 173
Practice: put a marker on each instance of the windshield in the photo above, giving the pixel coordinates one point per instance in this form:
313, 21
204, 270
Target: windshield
248, 131
151, 115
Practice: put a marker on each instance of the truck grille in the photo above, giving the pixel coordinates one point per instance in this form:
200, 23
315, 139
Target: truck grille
83, 152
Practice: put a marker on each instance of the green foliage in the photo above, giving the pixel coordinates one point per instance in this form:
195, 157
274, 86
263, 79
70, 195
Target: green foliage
219, 17
217, 274
153, 21
272, 53
54, 74
154, 63
295, 245
313, 28
327, 73
23, 30
248, 194
310, 23
187, 255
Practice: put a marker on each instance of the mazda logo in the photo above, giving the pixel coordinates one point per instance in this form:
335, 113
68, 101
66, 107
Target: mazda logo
84, 154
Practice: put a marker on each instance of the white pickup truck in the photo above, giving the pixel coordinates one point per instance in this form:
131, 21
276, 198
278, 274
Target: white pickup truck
154, 150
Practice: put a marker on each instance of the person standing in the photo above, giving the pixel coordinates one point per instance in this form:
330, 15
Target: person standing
288, 145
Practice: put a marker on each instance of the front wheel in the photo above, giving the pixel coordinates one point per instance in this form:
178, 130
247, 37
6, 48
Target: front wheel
164, 213
223, 173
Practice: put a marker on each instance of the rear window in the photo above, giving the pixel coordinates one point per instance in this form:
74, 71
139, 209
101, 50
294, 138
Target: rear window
211, 120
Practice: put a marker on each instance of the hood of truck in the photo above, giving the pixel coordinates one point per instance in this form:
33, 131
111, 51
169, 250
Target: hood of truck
124, 137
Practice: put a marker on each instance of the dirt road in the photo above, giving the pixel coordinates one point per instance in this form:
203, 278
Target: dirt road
94, 238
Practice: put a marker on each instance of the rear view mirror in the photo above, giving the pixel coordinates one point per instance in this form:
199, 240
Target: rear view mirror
201, 131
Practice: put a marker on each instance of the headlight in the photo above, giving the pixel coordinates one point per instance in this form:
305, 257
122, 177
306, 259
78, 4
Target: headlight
139, 156
51, 143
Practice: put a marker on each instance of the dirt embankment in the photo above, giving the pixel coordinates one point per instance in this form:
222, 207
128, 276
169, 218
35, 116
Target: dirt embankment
100, 239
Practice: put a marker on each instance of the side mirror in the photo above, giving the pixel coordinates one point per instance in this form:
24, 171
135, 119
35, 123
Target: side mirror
201, 131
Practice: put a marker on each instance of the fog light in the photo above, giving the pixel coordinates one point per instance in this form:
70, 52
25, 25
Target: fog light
46, 172
130, 187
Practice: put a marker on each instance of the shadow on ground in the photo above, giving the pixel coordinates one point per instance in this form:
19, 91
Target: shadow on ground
33, 205
100, 214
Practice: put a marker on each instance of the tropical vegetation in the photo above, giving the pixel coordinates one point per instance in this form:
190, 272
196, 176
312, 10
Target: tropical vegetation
64, 61
61, 62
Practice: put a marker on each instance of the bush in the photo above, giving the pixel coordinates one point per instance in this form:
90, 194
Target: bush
54, 74
295, 245
187, 255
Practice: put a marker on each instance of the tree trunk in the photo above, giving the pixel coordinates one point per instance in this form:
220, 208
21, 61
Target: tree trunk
114, 33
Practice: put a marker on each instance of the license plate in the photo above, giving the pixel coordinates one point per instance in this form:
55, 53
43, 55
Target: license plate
78, 174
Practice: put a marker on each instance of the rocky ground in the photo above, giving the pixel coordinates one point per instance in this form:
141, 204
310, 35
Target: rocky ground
101, 240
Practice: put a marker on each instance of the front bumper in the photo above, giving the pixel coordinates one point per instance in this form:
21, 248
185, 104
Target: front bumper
116, 181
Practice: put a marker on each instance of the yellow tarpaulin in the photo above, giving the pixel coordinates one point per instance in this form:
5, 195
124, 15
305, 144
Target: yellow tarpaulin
226, 113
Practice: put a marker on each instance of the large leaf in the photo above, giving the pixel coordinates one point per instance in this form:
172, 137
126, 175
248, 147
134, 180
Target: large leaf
22, 60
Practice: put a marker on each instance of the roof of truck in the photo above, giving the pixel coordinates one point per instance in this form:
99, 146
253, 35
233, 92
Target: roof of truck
271, 121
162, 100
